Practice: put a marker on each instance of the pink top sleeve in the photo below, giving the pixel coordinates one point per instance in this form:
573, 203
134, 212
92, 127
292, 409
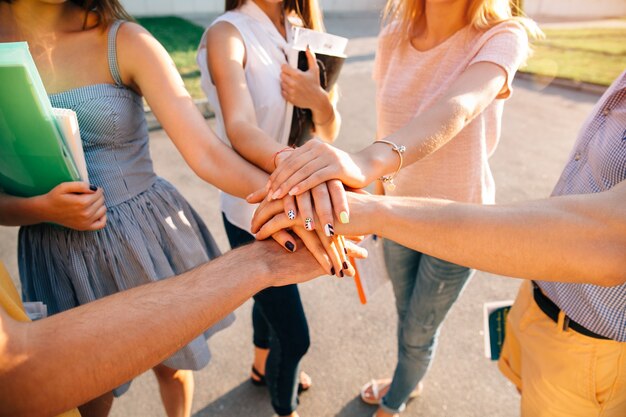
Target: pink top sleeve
505, 45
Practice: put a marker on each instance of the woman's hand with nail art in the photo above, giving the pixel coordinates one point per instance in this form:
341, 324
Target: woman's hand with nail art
305, 220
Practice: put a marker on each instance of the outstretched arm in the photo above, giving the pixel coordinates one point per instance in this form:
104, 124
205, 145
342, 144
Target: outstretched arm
146, 67
226, 59
316, 162
576, 238
55, 364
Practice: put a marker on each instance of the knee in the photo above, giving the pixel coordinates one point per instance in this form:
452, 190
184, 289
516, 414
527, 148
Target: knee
297, 347
416, 345
180, 376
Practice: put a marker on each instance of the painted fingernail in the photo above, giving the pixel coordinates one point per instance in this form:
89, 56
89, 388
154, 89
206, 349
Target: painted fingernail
276, 195
345, 265
291, 214
343, 216
332, 271
93, 187
341, 274
290, 246
329, 230
294, 191
345, 250
308, 223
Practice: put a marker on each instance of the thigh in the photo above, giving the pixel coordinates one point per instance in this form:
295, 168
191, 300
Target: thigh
283, 310
563, 373
236, 237
402, 264
438, 285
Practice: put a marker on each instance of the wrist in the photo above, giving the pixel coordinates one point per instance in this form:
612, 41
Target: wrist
281, 156
365, 210
264, 256
373, 162
37, 209
323, 110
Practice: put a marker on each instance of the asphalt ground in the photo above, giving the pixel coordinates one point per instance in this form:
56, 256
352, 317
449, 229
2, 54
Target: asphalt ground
352, 343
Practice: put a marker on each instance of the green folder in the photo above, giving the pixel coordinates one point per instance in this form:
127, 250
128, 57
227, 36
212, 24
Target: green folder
33, 155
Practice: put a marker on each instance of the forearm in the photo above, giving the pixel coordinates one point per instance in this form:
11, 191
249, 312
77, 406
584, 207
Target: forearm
566, 239
20, 211
422, 136
326, 120
252, 143
60, 362
222, 167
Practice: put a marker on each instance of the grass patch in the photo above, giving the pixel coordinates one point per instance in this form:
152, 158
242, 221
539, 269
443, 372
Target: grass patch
595, 55
592, 55
180, 38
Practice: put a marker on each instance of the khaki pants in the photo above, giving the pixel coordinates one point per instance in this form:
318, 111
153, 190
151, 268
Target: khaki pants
561, 373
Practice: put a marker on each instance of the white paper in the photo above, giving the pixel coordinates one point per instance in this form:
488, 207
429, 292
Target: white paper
319, 42
372, 270
68, 125
36, 310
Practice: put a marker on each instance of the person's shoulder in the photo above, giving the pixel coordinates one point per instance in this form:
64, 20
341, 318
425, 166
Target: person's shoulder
130, 33
222, 32
512, 28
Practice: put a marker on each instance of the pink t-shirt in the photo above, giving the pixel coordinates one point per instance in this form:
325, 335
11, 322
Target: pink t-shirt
409, 81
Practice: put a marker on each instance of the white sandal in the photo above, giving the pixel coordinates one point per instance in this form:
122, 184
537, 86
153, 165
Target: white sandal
377, 385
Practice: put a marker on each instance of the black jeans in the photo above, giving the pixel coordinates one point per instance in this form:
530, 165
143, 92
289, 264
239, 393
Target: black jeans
279, 324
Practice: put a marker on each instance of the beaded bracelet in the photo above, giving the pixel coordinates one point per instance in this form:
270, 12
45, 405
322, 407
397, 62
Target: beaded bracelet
388, 179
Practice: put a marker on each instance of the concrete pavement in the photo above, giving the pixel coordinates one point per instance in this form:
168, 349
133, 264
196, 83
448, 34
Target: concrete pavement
353, 343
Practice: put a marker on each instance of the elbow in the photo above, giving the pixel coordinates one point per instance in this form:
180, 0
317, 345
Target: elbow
612, 279
615, 276
614, 273
462, 110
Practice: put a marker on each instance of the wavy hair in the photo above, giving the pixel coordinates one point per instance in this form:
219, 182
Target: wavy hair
481, 14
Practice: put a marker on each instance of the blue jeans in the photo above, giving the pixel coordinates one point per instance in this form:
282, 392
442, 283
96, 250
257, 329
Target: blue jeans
425, 288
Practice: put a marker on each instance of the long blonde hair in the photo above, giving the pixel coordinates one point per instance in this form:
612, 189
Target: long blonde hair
481, 14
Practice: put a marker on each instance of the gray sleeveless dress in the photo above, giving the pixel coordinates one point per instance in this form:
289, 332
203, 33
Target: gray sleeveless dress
151, 233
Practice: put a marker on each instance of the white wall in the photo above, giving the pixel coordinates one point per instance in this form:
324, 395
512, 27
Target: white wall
163, 7
587, 9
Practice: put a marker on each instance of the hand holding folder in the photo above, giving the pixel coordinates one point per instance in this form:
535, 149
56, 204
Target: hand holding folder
35, 154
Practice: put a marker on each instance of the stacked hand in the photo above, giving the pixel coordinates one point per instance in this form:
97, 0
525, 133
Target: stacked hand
331, 250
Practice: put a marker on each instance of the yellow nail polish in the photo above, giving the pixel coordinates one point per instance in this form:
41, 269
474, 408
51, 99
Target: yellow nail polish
343, 216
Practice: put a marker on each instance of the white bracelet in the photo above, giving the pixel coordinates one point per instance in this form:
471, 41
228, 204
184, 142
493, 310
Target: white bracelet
388, 179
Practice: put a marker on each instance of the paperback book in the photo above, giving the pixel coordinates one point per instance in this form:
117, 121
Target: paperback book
494, 323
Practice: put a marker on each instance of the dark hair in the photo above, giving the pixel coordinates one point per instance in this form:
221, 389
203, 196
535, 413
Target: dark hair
308, 11
106, 10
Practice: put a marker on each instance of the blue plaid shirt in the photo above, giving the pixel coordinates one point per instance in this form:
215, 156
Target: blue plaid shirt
597, 163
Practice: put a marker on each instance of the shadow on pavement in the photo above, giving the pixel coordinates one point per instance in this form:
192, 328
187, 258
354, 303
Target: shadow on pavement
243, 400
356, 408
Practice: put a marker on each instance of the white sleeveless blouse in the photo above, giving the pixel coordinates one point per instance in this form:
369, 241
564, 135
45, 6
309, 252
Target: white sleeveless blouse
265, 53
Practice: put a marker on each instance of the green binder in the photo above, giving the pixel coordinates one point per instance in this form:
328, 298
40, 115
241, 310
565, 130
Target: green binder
33, 155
